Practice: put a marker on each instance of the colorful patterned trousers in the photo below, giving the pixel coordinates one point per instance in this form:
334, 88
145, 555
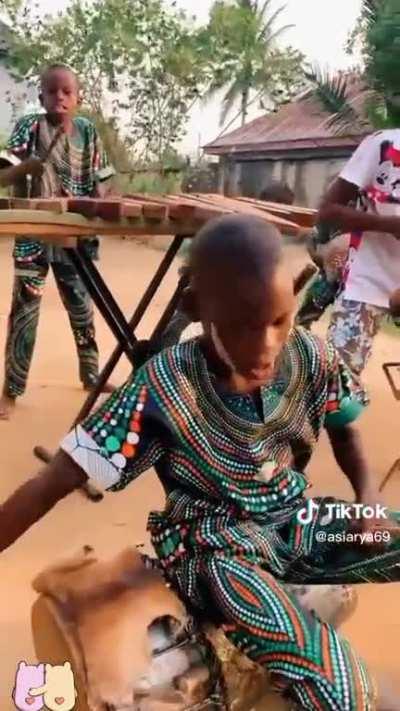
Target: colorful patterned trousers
352, 330
29, 282
308, 661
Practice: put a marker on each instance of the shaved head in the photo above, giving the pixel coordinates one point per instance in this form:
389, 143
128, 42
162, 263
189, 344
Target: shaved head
233, 247
242, 292
277, 192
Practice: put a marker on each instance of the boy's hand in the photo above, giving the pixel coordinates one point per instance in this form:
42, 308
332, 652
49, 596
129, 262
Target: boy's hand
394, 304
395, 227
13, 174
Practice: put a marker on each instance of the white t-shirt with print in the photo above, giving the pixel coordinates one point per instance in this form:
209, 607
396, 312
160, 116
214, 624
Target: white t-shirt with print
374, 267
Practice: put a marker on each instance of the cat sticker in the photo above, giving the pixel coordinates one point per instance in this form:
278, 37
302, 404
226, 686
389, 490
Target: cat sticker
44, 686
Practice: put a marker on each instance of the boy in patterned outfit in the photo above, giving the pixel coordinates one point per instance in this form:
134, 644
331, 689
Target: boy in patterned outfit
220, 417
77, 166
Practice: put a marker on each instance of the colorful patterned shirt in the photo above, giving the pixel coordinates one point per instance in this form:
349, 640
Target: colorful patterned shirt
76, 163
221, 468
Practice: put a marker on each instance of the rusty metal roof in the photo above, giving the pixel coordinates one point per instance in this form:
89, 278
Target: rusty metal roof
300, 125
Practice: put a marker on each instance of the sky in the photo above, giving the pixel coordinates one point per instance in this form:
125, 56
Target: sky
320, 31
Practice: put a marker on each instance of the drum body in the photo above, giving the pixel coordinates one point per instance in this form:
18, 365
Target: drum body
137, 648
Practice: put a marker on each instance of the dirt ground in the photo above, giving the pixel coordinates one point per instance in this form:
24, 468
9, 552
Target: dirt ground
47, 410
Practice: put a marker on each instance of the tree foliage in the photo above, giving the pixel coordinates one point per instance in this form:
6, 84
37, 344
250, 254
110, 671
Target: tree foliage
382, 49
377, 34
333, 93
138, 63
247, 61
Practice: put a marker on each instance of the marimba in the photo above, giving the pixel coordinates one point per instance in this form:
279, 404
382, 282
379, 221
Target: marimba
139, 215
65, 221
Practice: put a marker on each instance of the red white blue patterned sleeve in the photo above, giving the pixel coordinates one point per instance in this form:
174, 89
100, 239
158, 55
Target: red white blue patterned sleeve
122, 439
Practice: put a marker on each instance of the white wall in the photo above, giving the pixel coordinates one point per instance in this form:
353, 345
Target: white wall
308, 179
23, 99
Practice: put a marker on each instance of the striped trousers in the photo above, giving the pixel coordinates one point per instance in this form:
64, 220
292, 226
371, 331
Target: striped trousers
29, 282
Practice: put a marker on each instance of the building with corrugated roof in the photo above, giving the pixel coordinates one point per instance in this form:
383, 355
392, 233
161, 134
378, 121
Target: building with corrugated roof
296, 144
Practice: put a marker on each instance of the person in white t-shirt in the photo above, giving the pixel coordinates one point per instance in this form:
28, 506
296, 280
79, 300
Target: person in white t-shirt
371, 179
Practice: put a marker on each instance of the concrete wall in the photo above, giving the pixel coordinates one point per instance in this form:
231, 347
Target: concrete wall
20, 96
308, 178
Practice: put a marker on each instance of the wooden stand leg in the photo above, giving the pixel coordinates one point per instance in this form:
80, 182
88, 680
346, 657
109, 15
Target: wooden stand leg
389, 369
392, 470
133, 323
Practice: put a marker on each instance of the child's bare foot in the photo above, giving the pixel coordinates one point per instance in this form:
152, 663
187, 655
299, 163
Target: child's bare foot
108, 388
7, 405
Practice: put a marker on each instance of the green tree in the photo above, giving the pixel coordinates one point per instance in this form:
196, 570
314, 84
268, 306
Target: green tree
334, 92
168, 81
377, 36
246, 60
137, 61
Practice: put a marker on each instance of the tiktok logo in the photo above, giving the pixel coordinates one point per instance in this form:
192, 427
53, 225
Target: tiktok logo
306, 515
338, 511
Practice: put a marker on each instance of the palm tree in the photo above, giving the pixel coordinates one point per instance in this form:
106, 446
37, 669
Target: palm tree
246, 59
333, 92
378, 29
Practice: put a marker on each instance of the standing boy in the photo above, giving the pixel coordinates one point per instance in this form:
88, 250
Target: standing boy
75, 165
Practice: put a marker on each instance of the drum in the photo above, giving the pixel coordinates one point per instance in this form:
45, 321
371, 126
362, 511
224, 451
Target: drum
133, 646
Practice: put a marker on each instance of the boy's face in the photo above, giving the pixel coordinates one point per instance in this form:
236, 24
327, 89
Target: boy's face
60, 93
249, 323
